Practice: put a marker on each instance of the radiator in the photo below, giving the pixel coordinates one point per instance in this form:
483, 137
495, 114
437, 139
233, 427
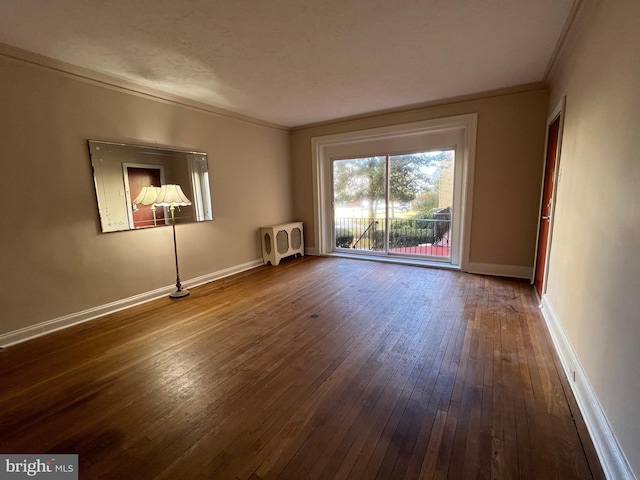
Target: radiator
279, 241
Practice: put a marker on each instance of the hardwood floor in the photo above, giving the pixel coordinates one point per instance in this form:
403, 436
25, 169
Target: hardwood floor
320, 368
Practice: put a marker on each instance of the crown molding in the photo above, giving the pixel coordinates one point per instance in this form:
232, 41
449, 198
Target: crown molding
500, 92
562, 38
579, 17
132, 88
126, 86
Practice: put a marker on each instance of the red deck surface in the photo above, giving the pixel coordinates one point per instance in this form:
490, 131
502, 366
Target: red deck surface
432, 250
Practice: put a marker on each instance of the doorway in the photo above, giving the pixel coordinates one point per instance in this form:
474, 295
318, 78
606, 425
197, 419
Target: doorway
547, 203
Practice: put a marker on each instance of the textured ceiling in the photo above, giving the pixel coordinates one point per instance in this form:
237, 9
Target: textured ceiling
295, 62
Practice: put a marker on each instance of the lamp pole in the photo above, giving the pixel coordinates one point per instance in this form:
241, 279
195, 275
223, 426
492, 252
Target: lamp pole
179, 292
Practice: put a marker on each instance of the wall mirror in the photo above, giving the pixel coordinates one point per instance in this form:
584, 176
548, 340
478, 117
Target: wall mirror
124, 174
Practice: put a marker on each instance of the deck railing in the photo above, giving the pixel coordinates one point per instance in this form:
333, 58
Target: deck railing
415, 236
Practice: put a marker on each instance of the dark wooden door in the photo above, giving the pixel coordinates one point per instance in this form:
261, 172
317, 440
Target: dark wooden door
547, 202
138, 178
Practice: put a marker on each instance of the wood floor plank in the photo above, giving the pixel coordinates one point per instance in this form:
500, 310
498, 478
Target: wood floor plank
320, 368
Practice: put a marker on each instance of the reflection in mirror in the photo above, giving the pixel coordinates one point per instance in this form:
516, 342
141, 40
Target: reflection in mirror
128, 177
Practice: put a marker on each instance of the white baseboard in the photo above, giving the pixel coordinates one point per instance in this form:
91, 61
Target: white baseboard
498, 270
310, 251
66, 321
612, 458
210, 277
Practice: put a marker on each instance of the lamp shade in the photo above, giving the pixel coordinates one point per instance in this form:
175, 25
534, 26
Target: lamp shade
147, 195
171, 195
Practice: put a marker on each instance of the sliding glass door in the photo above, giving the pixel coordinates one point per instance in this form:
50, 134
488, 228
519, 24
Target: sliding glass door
395, 205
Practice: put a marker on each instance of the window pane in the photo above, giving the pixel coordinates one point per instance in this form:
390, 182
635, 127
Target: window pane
359, 203
420, 203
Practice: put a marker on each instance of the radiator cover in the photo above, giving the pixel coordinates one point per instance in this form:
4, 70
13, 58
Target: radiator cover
280, 241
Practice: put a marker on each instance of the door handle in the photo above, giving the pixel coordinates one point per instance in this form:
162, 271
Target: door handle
545, 218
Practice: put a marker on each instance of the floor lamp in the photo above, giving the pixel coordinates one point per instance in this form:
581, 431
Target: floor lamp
172, 196
148, 196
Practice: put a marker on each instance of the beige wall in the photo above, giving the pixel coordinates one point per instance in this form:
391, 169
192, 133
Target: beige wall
55, 261
509, 153
594, 269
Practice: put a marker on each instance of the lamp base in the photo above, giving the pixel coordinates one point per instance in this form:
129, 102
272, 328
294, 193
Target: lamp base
179, 293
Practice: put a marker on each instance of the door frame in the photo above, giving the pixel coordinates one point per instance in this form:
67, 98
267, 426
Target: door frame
402, 135
557, 113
